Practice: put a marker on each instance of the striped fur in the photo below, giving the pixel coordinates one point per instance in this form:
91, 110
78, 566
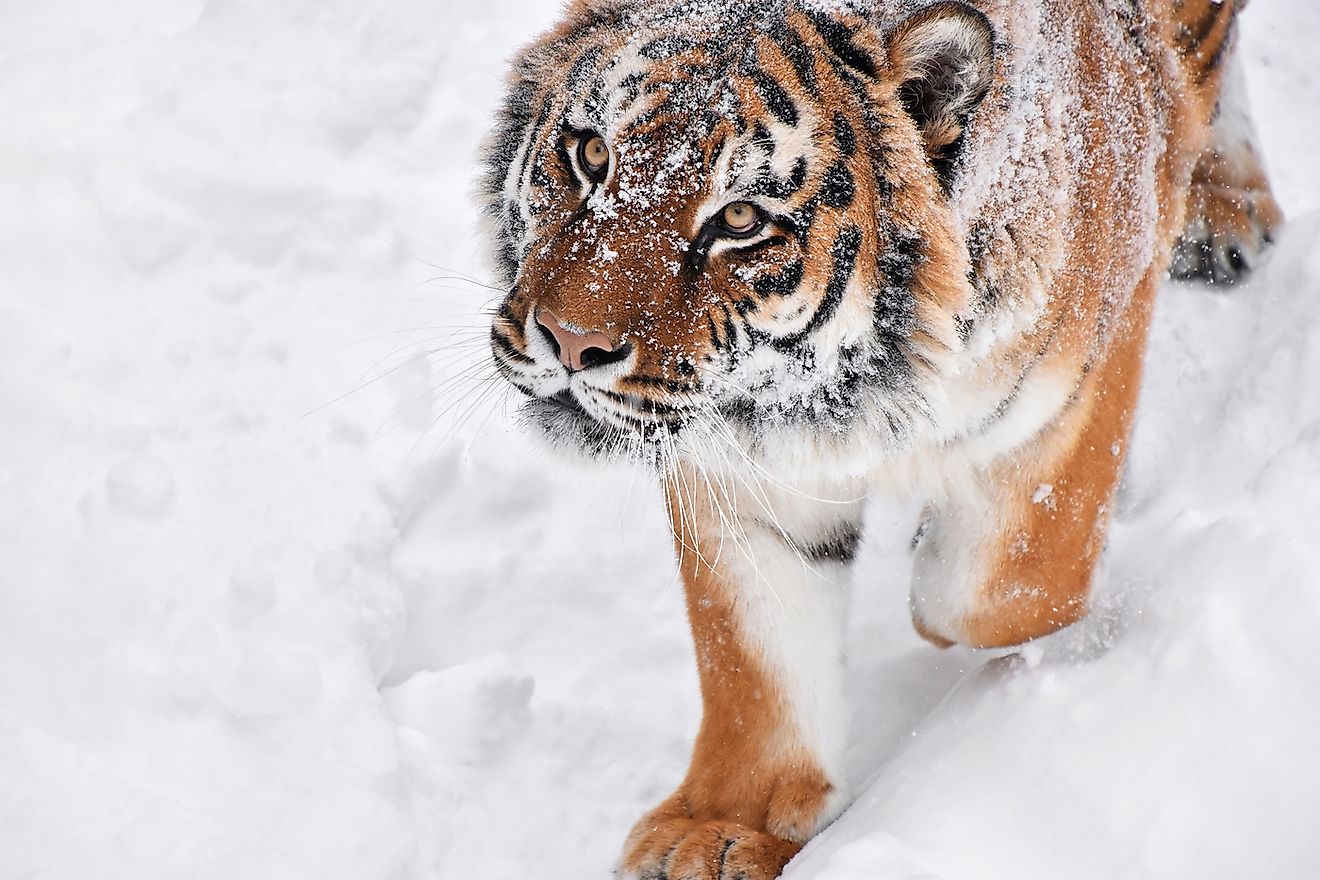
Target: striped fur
964, 213
779, 106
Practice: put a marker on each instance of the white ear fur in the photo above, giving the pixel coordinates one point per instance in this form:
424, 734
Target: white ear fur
943, 57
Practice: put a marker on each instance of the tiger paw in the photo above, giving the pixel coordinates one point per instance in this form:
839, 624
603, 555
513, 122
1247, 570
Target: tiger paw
691, 849
1227, 233
676, 842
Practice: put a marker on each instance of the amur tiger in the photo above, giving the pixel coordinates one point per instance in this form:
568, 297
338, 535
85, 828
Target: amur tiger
790, 252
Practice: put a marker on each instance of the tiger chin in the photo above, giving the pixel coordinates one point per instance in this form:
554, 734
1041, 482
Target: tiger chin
793, 252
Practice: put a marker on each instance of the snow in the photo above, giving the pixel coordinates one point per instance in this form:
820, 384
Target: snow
287, 593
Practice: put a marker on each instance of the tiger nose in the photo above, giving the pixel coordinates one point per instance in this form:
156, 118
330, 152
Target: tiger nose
579, 350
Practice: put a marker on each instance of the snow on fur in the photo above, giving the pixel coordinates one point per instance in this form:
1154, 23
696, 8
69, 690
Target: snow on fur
255, 622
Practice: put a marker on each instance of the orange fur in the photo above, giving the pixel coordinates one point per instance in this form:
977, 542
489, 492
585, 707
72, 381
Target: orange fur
1075, 279
752, 795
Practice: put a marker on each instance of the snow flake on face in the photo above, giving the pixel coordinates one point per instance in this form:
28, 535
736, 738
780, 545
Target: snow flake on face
836, 7
602, 204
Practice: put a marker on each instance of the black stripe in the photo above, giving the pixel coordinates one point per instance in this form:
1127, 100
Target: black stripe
747, 326
714, 334
838, 547
699, 251
1192, 37
655, 86
595, 104
512, 232
777, 100
506, 256
730, 329
844, 136
535, 138
798, 175
1217, 57
647, 404
899, 263
540, 180
844, 254
666, 47
838, 38
767, 183
799, 222
836, 186
505, 311
799, 55
631, 87
715, 149
578, 71
671, 385
892, 308
783, 283
514, 224
507, 372
561, 153
643, 120
503, 343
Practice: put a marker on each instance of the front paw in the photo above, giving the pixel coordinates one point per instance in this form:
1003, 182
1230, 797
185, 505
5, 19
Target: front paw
1227, 234
692, 837
692, 849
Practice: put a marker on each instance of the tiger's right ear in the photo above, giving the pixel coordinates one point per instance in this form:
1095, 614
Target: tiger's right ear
943, 57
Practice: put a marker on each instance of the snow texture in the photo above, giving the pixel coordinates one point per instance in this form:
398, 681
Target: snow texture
287, 594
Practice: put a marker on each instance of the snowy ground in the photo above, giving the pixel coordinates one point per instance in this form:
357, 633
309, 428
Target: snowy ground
283, 595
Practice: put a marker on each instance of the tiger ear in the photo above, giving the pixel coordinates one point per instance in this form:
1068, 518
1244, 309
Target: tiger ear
943, 58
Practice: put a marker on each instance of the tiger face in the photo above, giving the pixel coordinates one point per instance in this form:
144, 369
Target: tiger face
714, 228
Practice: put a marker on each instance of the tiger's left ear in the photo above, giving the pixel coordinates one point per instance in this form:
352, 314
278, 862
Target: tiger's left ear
943, 57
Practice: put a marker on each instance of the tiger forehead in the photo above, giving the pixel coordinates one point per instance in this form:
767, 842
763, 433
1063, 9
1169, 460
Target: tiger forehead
698, 110
702, 67
664, 165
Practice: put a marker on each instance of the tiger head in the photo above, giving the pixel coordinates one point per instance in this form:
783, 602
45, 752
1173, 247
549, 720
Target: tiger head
733, 221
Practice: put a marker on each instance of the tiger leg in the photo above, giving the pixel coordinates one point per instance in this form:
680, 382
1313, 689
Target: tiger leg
767, 624
1011, 557
1231, 212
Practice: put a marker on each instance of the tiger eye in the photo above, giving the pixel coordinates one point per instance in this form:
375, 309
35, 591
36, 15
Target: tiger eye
595, 154
741, 217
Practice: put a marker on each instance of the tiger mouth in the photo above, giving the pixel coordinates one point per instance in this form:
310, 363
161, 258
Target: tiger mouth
567, 401
563, 413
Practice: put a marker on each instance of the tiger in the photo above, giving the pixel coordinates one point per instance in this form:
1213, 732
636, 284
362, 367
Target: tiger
790, 254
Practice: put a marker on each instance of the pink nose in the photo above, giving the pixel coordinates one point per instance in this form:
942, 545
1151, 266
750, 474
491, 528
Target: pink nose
578, 351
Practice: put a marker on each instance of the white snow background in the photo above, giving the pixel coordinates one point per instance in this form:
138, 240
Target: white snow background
285, 594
